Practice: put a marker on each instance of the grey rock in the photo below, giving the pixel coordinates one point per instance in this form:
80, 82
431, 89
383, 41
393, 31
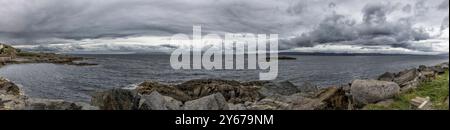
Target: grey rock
372, 91
116, 99
237, 106
156, 101
211, 102
406, 76
47, 104
8, 87
387, 77
307, 87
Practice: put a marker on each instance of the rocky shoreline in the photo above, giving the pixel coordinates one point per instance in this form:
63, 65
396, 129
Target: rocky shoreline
215, 94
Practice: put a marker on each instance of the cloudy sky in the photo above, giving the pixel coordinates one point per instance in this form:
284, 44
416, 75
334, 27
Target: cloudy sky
350, 26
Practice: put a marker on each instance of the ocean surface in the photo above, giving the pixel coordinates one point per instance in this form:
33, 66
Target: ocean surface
77, 83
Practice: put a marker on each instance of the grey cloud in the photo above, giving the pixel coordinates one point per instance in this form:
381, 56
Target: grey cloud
311, 22
374, 30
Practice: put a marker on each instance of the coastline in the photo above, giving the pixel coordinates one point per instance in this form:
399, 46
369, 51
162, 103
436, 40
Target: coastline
216, 94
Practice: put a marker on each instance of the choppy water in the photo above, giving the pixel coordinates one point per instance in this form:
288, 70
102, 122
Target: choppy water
75, 83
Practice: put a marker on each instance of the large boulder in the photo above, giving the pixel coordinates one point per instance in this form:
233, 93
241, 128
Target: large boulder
116, 99
335, 98
47, 104
149, 87
233, 91
372, 91
308, 87
211, 102
9, 88
156, 101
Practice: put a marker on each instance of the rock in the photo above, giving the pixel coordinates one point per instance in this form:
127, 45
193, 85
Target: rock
211, 102
9, 88
385, 103
86, 106
237, 106
307, 87
156, 101
116, 99
335, 98
438, 69
269, 104
47, 104
281, 88
166, 90
11, 102
372, 91
405, 76
233, 91
387, 77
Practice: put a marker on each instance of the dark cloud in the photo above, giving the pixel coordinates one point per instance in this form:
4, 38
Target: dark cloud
304, 23
374, 30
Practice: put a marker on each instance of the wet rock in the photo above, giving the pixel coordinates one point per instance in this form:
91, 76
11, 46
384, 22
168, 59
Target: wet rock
166, 90
8, 88
387, 77
233, 91
47, 104
116, 99
156, 101
211, 102
372, 91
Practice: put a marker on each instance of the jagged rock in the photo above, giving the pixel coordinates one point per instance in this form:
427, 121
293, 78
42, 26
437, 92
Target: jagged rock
156, 101
233, 91
211, 102
372, 91
166, 90
405, 76
335, 98
282, 88
11, 102
237, 106
116, 99
47, 104
387, 77
9, 88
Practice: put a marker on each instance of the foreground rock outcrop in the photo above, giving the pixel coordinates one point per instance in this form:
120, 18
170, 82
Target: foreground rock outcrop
214, 94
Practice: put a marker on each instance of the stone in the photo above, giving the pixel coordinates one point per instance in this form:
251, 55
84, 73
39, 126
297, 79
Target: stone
11, 102
86, 106
405, 76
335, 98
233, 91
149, 87
372, 91
308, 87
387, 77
116, 99
7, 87
156, 101
211, 102
237, 106
47, 104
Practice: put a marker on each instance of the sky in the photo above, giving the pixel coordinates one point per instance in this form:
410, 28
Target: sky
336, 26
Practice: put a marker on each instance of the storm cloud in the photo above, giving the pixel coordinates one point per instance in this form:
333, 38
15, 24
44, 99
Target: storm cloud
133, 25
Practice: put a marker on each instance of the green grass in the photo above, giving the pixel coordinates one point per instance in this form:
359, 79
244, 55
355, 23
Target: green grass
437, 90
